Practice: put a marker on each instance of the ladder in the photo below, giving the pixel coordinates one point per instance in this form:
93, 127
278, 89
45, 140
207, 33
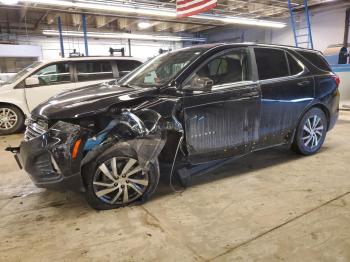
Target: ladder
301, 26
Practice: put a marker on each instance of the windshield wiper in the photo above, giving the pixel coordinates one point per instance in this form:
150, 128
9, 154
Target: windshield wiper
129, 86
126, 85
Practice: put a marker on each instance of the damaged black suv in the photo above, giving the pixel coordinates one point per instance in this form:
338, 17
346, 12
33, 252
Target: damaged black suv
192, 109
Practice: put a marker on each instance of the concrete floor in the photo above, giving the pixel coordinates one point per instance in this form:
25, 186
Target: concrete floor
270, 206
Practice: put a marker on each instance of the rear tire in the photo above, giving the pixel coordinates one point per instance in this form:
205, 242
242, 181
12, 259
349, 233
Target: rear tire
11, 119
311, 132
113, 180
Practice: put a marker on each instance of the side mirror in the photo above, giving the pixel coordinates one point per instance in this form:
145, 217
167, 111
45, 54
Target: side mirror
201, 84
32, 81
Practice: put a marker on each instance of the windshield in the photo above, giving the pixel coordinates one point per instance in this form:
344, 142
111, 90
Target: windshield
161, 69
21, 73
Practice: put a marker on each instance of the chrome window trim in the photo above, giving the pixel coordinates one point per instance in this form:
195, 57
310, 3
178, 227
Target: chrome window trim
232, 85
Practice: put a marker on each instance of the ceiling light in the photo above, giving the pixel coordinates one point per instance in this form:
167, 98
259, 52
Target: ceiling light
144, 25
9, 2
124, 36
159, 12
247, 21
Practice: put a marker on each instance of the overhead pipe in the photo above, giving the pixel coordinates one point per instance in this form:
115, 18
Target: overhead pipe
83, 16
343, 54
59, 22
346, 29
129, 45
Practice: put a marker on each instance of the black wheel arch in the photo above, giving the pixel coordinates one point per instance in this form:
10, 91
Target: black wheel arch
317, 104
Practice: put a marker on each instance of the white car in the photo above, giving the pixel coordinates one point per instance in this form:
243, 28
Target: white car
42, 80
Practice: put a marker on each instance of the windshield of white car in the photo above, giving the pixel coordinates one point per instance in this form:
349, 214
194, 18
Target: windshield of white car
161, 69
21, 73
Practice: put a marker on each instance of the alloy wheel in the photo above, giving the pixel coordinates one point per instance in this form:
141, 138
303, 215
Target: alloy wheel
8, 118
312, 132
120, 180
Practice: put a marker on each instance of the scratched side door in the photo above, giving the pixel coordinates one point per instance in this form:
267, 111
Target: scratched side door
223, 121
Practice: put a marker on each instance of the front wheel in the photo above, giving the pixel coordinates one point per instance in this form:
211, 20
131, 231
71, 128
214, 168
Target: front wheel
11, 120
311, 132
117, 179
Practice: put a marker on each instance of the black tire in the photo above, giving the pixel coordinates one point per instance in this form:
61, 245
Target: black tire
93, 174
9, 128
305, 142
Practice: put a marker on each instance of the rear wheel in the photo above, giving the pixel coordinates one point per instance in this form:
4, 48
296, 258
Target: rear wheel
117, 179
311, 132
11, 120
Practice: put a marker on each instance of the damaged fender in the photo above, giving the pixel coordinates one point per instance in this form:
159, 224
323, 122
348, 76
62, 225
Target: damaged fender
142, 131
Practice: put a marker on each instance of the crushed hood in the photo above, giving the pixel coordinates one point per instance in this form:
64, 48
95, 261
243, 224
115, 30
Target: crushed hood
88, 100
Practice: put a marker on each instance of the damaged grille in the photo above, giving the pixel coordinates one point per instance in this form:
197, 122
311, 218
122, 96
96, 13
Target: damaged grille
35, 129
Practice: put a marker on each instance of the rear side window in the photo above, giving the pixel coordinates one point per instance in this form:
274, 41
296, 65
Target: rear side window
94, 70
316, 59
272, 63
126, 66
294, 67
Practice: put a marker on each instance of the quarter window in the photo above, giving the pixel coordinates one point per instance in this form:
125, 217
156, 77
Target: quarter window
272, 63
231, 67
316, 59
294, 66
94, 70
53, 74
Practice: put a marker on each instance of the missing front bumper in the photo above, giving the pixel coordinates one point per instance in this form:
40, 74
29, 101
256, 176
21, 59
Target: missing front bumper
48, 160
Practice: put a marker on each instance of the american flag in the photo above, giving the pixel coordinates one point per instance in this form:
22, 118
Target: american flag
192, 7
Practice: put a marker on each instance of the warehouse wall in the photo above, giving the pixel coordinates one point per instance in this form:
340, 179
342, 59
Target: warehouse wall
233, 34
51, 46
327, 29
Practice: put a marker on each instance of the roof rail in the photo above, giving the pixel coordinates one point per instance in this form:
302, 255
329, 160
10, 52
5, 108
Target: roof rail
116, 50
75, 54
161, 51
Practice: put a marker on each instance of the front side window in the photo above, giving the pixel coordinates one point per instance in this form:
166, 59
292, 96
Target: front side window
94, 70
271, 63
53, 74
230, 67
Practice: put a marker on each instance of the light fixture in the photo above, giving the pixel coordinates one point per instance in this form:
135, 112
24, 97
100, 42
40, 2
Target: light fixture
124, 36
159, 12
144, 25
9, 2
247, 21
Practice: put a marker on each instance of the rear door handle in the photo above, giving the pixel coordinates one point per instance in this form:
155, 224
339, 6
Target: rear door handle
303, 83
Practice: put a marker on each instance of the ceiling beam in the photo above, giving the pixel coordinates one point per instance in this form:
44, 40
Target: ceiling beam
161, 27
40, 20
22, 13
102, 21
200, 28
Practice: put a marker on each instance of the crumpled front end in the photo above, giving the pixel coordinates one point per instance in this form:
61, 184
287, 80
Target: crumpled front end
53, 157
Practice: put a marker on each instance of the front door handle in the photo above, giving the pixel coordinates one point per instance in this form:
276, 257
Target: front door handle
303, 83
